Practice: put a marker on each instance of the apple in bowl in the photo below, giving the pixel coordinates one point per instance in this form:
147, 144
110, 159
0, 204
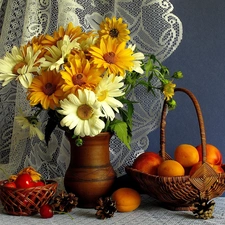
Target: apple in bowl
148, 162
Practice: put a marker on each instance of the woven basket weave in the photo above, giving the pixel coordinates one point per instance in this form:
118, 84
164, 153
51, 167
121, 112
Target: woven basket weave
26, 201
179, 193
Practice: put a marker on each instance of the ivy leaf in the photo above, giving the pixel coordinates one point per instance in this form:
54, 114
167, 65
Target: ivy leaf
120, 129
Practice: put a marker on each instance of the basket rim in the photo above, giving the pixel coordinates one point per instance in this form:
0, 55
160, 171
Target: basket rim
48, 183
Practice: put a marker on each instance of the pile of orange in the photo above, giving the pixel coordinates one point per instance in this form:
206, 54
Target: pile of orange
185, 156
187, 159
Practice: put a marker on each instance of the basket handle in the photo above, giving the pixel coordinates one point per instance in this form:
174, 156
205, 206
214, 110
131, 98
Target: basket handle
200, 122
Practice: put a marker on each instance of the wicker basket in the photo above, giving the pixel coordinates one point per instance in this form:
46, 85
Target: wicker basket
26, 201
179, 193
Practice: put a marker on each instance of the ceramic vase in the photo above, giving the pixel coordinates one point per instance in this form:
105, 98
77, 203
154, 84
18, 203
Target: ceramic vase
90, 174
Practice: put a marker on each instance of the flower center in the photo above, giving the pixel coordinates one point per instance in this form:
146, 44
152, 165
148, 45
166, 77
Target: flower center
103, 95
32, 120
84, 112
79, 79
49, 89
114, 33
109, 57
18, 66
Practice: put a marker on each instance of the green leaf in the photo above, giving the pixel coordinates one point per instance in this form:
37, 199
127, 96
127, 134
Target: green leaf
120, 129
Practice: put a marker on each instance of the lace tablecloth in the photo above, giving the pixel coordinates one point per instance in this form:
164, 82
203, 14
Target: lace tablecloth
149, 212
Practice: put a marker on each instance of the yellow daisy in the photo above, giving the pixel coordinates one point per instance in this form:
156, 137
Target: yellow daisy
36, 45
80, 74
115, 29
112, 56
46, 90
71, 31
168, 90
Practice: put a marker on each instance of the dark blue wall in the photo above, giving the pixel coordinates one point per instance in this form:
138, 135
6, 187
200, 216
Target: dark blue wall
201, 57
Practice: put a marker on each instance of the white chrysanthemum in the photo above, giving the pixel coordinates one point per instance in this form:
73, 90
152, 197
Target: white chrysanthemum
60, 52
137, 63
82, 113
30, 123
106, 91
19, 65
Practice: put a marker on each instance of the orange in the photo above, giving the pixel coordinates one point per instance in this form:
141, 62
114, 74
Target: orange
170, 168
187, 155
127, 199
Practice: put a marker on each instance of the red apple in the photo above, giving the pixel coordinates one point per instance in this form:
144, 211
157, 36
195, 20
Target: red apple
213, 154
148, 162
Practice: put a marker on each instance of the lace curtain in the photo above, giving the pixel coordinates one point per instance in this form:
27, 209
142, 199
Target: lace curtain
154, 29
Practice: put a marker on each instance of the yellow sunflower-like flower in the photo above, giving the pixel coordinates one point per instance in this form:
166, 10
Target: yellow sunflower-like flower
80, 74
168, 90
115, 29
113, 57
82, 113
71, 31
36, 45
46, 90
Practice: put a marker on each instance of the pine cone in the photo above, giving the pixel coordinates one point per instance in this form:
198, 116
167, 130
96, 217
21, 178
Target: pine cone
106, 208
64, 202
204, 209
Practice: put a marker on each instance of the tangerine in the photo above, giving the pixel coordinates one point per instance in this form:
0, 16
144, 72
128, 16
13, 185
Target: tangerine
170, 168
187, 155
127, 199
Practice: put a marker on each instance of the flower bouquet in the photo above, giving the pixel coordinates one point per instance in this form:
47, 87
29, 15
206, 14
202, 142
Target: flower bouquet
83, 80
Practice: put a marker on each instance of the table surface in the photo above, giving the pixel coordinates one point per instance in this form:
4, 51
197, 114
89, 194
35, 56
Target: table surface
149, 212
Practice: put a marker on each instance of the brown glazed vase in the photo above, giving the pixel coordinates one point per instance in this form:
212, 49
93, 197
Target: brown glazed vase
90, 174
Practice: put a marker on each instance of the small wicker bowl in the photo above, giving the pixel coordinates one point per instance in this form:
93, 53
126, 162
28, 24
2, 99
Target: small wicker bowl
26, 201
179, 193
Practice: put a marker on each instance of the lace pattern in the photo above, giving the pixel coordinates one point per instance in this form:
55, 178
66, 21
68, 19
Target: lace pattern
154, 29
